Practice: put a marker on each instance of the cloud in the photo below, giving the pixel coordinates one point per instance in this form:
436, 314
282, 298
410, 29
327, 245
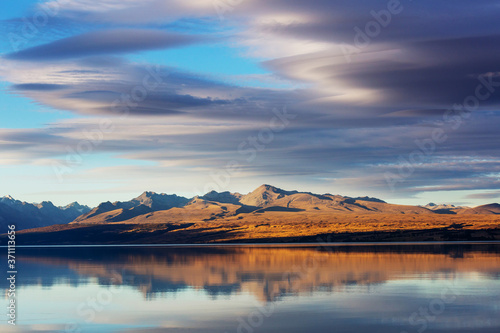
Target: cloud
130, 11
484, 195
104, 42
426, 75
101, 86
352, 115
195, 148
38, 86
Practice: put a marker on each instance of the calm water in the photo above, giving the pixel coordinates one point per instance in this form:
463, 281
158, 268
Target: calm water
376, 288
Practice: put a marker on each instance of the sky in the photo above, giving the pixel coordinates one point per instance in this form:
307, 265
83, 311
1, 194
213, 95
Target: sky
102, 100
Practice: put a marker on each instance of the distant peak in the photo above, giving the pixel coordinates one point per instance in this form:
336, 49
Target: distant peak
8, 197
223, 197
433, 205
371, 199
215, 193
212, 192
268, 187
46, 205
75, 204
495, 205
151, 194
146, 196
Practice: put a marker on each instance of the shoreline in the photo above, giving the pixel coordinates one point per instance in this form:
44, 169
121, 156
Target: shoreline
494, 242
268, 234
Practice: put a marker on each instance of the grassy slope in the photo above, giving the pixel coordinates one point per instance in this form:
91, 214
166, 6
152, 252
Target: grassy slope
275, 226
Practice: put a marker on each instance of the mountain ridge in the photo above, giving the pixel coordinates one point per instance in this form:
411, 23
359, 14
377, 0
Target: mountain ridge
266, 202
265, 215
32, 215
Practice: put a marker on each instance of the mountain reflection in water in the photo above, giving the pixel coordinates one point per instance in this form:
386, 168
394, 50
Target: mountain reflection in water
352, 288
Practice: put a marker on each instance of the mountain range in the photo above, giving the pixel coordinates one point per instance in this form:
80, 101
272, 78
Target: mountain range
29, 215
154, 207
265, 204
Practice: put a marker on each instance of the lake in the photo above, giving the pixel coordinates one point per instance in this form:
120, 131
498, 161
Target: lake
373, 288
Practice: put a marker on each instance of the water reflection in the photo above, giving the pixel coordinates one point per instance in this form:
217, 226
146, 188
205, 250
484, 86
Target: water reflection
379, 288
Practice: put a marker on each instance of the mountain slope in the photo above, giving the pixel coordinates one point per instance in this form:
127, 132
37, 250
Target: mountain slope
223, 197
118, 211
267, 214
493, 208
197, 210
266, 201
264, 195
